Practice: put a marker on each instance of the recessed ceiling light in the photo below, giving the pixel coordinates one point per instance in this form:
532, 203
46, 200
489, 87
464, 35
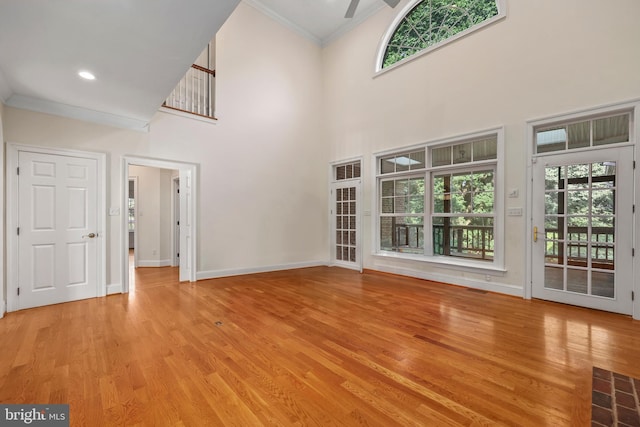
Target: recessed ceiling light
86, 75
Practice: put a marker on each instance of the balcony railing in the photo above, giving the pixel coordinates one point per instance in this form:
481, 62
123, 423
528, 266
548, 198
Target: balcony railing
194, 93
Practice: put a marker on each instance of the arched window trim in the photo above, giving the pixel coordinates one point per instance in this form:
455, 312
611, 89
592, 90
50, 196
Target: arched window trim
382, 47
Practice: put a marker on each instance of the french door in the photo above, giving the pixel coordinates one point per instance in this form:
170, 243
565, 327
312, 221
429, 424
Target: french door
344, 214
582, 228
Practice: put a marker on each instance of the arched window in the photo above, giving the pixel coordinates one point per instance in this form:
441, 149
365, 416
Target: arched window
430, 23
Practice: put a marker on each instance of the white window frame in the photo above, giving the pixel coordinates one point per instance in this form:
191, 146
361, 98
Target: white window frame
382, 47
497, 264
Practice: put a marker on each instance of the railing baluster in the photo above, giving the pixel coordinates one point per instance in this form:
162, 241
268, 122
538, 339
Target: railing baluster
194, 92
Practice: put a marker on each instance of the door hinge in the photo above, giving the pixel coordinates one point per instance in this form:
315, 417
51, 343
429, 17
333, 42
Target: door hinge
178, 222
18, 170
18, 231
634, 164
18, 291
178, 191
633, 296
633, 251
178, 255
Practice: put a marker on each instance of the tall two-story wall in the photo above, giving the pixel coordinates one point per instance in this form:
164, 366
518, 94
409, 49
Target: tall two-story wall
262, 166
546, 58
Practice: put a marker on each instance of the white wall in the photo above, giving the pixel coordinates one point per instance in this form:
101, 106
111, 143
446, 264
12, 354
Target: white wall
547, 57
3, 293
153, 214
262, 167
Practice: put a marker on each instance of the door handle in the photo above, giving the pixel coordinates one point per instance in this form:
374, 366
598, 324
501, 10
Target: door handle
90, 235
535, 234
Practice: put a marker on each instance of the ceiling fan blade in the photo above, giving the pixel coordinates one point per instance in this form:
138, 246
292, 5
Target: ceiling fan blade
392, 3
352, 8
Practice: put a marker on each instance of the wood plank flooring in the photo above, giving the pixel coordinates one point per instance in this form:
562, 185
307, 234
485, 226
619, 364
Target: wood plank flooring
312, 347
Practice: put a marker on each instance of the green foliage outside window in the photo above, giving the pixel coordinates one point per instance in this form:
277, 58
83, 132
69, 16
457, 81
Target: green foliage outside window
432, 21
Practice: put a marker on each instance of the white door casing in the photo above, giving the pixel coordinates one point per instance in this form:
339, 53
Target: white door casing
175, 221
55, 205
575, 259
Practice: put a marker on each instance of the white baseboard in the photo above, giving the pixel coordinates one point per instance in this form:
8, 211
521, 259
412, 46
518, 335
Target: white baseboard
214, 274
155, 263
3, 308
114, 288
501, 288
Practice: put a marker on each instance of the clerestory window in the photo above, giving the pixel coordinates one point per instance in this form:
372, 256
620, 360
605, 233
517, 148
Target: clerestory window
428, 24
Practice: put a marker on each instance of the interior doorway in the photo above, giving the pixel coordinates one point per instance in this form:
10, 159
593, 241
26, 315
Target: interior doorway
150, 217
154, 215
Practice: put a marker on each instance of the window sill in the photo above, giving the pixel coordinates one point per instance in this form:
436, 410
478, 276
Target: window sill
452, 263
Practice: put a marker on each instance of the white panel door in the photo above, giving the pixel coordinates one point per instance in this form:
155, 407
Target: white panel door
57, 214
583, 222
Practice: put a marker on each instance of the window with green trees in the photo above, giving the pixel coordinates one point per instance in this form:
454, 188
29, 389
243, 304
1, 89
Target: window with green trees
441, 200
431, 22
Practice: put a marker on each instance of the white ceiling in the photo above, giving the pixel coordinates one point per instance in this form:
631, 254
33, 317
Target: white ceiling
138, 49
318, 20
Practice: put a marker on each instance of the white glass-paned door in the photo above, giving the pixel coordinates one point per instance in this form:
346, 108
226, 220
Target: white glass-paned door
345, 218
582, 221
344, 211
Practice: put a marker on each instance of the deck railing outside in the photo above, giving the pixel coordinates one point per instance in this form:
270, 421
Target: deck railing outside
468, 241
477, 242
576, 246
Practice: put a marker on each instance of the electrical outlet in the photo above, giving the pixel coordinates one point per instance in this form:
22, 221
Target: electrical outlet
514, 211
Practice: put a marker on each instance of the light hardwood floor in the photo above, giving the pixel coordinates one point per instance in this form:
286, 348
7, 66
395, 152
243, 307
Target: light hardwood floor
317, 347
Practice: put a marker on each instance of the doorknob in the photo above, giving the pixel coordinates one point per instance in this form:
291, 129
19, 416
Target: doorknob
535, 234
90, 235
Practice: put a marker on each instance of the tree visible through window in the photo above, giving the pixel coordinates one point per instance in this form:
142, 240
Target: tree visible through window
440, 201
433, 21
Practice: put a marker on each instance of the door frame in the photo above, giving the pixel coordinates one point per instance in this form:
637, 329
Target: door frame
188, 214
125, 211
634, 137
356, 182
13, 151
175, 218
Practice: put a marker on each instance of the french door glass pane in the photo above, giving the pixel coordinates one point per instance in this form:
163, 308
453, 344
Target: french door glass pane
345, 222
579, 228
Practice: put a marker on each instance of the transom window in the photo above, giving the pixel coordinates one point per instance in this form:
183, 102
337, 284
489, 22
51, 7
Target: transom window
433, 22
347, 171
440, 202
583, 134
